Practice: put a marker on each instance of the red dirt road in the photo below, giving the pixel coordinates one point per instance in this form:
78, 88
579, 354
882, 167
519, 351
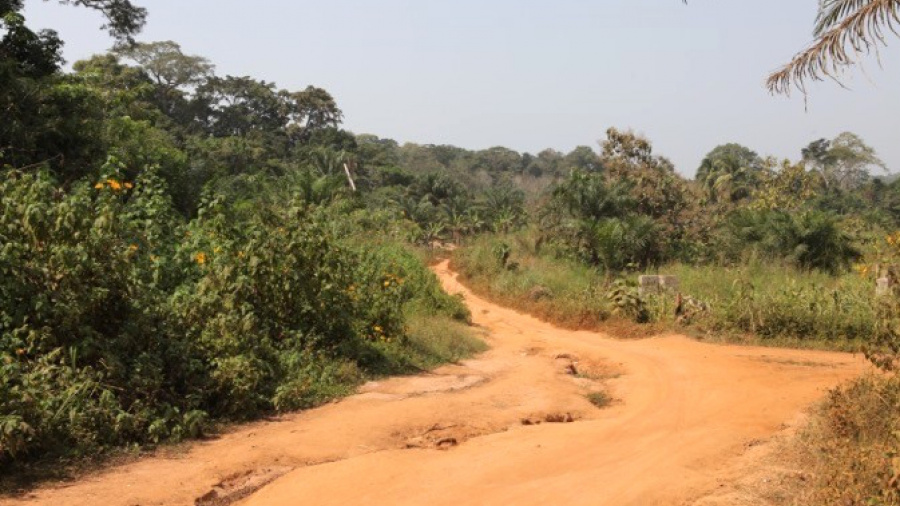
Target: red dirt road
690, 417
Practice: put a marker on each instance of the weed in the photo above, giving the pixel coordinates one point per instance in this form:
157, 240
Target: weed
600, 399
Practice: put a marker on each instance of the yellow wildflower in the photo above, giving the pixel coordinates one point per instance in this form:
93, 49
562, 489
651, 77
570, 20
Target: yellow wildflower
200, 258
240, 254
387, 284
99, 186
129, 185
132, 248
115, 185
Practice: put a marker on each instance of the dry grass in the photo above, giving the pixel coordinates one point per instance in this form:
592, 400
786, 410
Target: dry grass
852, 446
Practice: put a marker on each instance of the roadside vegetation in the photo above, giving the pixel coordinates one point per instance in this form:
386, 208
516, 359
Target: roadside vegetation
766, 252
754, 302
181, 249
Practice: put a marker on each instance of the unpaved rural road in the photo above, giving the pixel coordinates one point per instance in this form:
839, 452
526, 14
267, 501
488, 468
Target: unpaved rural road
512, 426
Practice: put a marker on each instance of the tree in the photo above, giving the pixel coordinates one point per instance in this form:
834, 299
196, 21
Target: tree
24, 53
126, 90
503, 205
595, 218
844, 30
498, 160
310, 110
659, 192
377, 152
238, 105
170, 69
787, 187
811, 239
729, 172
49, 118
591, 196
624, 150
546, 163
124, 19
844, 162
167, 65
582, 158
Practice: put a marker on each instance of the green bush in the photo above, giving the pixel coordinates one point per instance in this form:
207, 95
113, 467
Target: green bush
809, 239
121, 323
88, 359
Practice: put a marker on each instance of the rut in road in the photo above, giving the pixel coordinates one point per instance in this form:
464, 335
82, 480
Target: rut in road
690, 417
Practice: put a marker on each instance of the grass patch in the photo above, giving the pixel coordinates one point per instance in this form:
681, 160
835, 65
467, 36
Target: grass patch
601, 399
763, 303
564, 292
433, 341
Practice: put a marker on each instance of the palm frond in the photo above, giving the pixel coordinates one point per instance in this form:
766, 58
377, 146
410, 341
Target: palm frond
849, 28
831, 12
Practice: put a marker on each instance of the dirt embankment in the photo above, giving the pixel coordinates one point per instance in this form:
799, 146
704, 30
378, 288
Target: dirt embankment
692, 424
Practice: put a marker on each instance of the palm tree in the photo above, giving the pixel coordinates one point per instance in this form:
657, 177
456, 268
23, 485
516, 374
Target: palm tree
474, 223
844, 30
592, 196
432, 232
327, 161
616, 242
504, 220
457, 224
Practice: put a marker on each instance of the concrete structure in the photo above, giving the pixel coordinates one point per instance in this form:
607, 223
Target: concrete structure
652, 285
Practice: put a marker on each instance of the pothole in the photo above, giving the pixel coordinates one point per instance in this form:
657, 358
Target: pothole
420, 385
240, 485
550, 418
444, 436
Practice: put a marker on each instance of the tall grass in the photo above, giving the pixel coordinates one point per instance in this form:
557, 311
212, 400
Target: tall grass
758, 301
772, 302
563, 291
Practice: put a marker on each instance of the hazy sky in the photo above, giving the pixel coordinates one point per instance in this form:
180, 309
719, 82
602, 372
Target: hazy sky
531, 74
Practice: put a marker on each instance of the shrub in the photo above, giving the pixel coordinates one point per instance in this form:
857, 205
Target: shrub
855, 442
87, 357
120, 323
626, 302
809, 239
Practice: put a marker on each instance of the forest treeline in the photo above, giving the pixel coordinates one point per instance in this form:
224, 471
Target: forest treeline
179, 247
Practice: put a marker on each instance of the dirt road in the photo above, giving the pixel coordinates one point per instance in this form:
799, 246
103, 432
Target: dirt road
512, 426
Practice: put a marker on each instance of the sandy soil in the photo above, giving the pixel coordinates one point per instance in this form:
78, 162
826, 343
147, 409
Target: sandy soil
692, 423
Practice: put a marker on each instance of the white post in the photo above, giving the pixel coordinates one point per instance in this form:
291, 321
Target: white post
349, 177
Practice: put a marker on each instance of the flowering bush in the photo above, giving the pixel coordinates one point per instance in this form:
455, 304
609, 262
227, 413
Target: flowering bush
121, 322
86, 359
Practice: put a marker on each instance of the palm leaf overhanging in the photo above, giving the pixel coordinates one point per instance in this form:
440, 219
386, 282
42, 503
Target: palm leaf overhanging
844, 30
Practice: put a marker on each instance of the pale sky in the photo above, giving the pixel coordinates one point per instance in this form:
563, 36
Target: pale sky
531, 74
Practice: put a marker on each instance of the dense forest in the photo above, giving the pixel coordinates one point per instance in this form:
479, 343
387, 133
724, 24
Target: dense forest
180, 248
